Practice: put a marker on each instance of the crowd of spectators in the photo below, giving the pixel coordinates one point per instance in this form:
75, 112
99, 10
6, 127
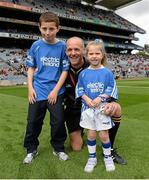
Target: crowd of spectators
128, 65
85, 12
122, 65
72, 9
12, 65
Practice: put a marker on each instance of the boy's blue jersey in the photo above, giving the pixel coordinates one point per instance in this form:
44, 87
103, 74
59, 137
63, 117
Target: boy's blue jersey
94, 82
49, 60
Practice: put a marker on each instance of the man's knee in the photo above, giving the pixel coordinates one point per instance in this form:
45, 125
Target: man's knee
76, 140
76, 146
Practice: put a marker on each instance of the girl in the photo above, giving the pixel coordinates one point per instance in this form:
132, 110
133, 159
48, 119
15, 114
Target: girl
96, 85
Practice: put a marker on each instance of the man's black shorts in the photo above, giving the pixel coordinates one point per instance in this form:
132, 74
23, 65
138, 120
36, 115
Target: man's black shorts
72, 118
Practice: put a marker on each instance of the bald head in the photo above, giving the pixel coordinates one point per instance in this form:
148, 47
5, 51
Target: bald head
75, 51
74, 40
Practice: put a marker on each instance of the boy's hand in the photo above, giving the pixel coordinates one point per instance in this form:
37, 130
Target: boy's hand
52, 97
96, 101
31, 95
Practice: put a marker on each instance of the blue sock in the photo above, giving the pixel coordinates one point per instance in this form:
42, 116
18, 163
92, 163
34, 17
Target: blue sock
91, 144
106, 149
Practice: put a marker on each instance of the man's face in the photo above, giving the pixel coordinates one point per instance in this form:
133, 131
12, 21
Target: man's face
48, 31
75, 51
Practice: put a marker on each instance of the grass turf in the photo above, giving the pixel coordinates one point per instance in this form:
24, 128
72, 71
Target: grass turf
132, 139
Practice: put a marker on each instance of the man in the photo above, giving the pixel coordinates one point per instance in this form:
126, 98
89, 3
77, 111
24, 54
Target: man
75, 52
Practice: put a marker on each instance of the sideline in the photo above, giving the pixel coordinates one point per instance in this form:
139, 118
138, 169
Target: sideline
134, 87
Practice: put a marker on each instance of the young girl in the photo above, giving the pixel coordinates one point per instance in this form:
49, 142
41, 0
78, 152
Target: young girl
96, 85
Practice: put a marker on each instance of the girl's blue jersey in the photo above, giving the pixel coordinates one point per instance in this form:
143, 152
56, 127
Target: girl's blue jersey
94, 82
49, 60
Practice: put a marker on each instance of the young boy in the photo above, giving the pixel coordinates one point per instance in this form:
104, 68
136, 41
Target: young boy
47, 70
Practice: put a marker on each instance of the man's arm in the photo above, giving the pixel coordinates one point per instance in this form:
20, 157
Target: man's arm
112, 109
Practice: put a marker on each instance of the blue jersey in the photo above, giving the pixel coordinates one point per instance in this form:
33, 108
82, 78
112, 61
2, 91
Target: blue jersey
49, 60
95, 82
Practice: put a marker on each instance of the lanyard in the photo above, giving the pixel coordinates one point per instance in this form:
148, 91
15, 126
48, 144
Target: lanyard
72, 78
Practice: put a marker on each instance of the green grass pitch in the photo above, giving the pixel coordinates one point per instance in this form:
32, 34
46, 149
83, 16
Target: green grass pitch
132, 140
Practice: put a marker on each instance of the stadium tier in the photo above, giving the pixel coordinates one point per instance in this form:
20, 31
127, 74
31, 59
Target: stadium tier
19, 21
18, 30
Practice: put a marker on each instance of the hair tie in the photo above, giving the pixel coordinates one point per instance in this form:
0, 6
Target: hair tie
98, 40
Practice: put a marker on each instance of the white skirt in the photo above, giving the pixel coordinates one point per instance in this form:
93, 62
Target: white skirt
95, 119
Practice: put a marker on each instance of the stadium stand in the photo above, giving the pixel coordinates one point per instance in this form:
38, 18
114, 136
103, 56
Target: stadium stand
19, 21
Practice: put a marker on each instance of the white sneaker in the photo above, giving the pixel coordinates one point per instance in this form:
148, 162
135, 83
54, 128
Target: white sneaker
91, 163
109, 164
61, 155
29, 157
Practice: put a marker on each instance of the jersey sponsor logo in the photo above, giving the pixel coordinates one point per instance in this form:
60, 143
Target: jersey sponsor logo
29, 60
65, 63
50, 61
96, 87
108, 90
81, 90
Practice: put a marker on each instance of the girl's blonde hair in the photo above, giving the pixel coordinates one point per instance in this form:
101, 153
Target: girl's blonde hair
100, 44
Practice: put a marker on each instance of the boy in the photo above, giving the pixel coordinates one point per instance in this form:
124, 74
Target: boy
47, 70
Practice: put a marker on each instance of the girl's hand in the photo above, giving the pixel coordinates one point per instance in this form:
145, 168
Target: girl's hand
89, 102
96, 101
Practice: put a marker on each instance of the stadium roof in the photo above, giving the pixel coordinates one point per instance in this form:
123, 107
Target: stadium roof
113, 4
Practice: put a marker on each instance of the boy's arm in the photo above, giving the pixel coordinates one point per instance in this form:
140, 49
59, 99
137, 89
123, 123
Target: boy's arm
31, 91
52, 97
61, 81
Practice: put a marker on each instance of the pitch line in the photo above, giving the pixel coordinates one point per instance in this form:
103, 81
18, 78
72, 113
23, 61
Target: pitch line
135, 87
